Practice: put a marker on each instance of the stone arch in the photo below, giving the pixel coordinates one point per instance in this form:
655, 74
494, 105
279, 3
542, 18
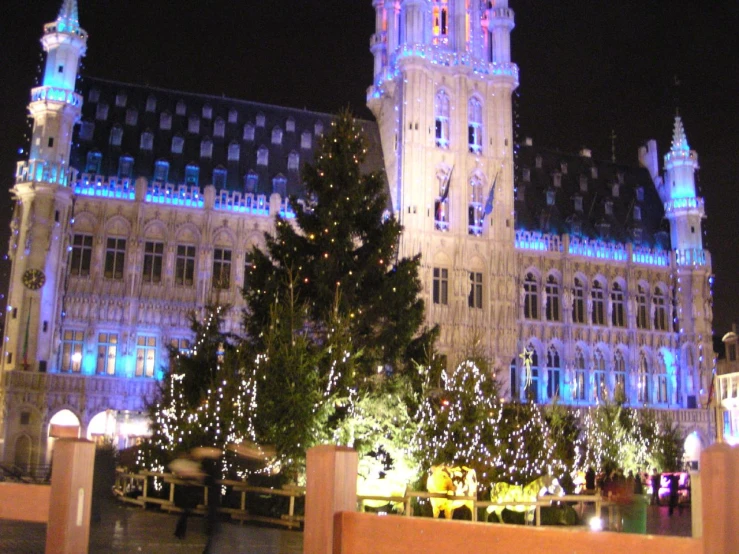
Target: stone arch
188, 232
22, 451
85, 222
223, 236
156, 229
118, 226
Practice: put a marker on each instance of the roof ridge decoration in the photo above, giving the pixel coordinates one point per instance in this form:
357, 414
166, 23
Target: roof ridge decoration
68, 19
679, 139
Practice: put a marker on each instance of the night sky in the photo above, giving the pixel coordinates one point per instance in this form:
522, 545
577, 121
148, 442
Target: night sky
587, 68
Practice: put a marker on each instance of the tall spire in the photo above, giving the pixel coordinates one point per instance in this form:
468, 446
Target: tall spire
679, 140
68, 19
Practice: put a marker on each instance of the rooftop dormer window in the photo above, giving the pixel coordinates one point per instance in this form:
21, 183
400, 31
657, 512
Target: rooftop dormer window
94, 161
165, 121
207, 111
262, 156
87, 130
116, 135
93, 96
233, 116
279, 185
577, 200
615, 190
640, 194
181, 108
206, 148
563, 168
101, 113
178, 143
193, 124
219, 128
583, 183
234, 151
290, 125
250, 182
125, 167
557, 179
526, 175
277, 136
293, 161
594, 172
120, 100
609, 207
620, 178
147, 141
192, 175
248, 132
132, 117
151, 103
538, 161
318, 128
161, 171
306, 140
637, 213
219, 178
261, 120
550, 197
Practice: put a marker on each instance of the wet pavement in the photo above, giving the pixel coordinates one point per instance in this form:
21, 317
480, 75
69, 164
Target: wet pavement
125, 529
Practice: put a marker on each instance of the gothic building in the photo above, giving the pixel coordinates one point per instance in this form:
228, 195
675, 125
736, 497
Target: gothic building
137, 205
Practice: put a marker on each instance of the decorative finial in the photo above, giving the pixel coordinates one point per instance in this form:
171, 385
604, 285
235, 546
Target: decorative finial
679, 140
68, 19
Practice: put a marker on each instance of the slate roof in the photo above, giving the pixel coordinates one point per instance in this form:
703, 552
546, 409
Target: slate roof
135, 109
573, 193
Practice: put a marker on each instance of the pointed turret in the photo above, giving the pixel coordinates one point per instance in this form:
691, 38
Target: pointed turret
68, 20
679, 140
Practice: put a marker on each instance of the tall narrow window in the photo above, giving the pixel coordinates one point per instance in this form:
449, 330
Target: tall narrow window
219, 128
642, 394
551, 300
184, 265
600, 387
619, 378
146, 356
262, 156
233, 116
440, 291
107, 352
580, 377
277, 136
474, 299
115, 256
132, 117
440, 21
73, 343
192, 174
617, 306
553, 372
161, 171
441, 117
248, 132
660, 309
178, 143
642, 321
165, 121
116, 135
207, 111
234, 151
193, 124
293, 161
251, 180
151, 103
153, 258
181, 108
578, 302
206, 148
81, 255
125, 167
147, 141
474, 126
531, 297
596, 295
219, 178
475, 213
306, 140
221, 268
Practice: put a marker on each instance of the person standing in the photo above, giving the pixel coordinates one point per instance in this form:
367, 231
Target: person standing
590, 480
674, 484
656, 478
210, 458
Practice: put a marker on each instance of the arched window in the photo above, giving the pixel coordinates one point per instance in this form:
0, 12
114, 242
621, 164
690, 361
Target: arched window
553, 372
661, 380
642, 321
619, 377
277, 136
233, 116
262, 156
441, 116
180, 108
151, 103
474, 125
206, 148
193, 124
290, 125
660, 309
251, 180
642, 394
551, 299
132, 116
219, 127
578, 302
192, 175
116, 135
617, 305
234, 151
596, 295
306, 140
207, 111
165, 121
532, 383
474, 209
279, 185
580, 379
600, 387
531, 297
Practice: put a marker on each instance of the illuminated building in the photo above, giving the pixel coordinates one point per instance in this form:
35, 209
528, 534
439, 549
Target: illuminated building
137, 205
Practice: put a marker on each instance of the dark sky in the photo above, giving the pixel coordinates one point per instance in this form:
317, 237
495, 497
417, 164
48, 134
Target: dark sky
587, 69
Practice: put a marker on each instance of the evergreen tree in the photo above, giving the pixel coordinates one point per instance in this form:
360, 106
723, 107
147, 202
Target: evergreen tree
341, 251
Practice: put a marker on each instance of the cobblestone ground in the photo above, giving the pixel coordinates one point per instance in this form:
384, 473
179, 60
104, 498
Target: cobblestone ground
132, 530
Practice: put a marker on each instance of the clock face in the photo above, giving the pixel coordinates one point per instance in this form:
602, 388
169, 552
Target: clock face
34, 279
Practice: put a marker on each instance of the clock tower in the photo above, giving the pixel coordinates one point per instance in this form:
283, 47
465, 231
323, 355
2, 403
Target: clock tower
43, 201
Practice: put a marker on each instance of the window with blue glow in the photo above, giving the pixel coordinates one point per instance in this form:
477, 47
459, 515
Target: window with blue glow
151, 103
233, 116
277, 136
94, 161
250, 182
553, 373
318, 128
642, 394
193, 124
661, 380
93, 96
207, 111
219, 178
306, 140
181, 108
600, 385
579, 386
262, 156
161, 171
290, 125
261, 120
147, 141
279, 185
165, 121
125, 167
87, 130
73, 343
293, 161
101, 112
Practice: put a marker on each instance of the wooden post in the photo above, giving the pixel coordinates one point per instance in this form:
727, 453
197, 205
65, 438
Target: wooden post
68, 531
720, 482
331, 487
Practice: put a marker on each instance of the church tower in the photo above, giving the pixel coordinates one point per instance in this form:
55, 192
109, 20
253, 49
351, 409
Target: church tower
43, 200
443, 82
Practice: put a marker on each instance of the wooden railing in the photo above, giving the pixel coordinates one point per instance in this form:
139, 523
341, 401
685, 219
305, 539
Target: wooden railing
136, 488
